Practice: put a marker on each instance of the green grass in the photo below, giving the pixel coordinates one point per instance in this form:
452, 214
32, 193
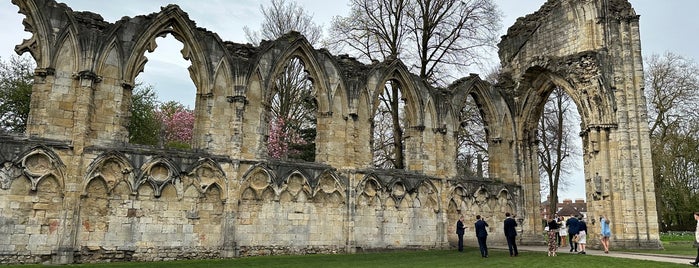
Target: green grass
674, 243
431, 259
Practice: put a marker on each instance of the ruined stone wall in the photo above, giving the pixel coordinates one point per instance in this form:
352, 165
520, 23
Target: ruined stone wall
136, 205
590, 49
73, 189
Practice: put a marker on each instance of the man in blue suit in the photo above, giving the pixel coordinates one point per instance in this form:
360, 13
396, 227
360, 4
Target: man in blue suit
510, 234
482, 235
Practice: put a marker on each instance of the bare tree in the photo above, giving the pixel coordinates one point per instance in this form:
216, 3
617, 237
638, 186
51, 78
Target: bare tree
293, 105
555, 135
451, 35
388, 128
672, 93
282, 17
374, 30
430, 36
471, 140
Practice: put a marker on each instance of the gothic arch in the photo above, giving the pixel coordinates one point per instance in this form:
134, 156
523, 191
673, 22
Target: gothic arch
371, 189
206, 174
328, 183
159, 172
112, 168
171, 20
258, 181
37, 45
428, 195
295, 183
496, 116
301, 49
40, 163
397, 71
458, 196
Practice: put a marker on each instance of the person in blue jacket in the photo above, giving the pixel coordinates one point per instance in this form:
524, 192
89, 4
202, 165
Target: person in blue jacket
573, 230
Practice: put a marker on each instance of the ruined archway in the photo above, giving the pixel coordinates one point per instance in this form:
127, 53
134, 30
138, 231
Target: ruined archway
228, 185
596, 70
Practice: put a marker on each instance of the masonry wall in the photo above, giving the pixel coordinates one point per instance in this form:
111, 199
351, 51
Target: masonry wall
279, 208
74, 190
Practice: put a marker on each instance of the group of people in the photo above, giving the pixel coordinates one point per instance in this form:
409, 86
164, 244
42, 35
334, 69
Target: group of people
482, 234
575, 228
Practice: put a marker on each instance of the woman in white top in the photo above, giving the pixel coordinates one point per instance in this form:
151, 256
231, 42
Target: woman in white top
562, 232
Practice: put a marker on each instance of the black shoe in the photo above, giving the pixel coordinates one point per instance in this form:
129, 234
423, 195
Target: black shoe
693, 263
571, 250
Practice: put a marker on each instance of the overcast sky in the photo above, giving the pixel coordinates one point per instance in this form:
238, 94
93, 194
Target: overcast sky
666, 26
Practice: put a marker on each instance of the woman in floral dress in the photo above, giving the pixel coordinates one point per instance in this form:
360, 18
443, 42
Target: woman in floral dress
553, 230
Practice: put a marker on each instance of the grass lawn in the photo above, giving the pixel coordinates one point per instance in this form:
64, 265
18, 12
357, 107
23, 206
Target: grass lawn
678, 243
431, 259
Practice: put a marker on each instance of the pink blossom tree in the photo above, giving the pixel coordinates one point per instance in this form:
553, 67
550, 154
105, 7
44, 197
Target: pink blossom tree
178, 124
281, 137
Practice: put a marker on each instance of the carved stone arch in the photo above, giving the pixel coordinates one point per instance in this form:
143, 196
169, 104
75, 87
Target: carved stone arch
328, 183
207, 173
112, 46
301, 49
159, 172
41, 162
371, 189
336, 86
428, 194
111, 167
459, 195
538, 84
430, 116
481, 196
39, 45
222, 70
485, 98
397, 189
67, 37
505, 201
258, 179
171, 20
370, 186
296, 182
397, 71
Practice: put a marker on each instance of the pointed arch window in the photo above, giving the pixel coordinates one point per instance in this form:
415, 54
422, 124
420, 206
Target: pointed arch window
293, 108
388, 128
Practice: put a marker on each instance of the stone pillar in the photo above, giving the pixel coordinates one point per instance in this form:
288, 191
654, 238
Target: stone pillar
229, 247
350, 220
38, 115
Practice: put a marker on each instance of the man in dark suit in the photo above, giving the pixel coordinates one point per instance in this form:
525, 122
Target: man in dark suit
482, 235
573, 229
511, 234
460, 232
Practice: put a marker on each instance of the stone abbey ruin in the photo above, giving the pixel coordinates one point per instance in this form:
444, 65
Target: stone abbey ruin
72, 189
